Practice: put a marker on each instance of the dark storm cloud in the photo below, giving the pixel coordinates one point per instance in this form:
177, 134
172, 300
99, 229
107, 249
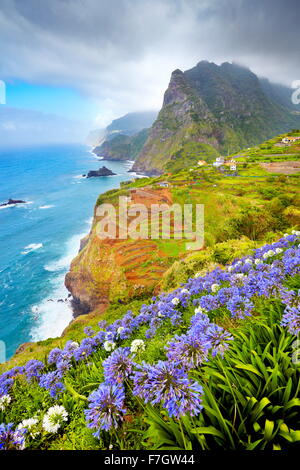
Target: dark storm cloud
122, 52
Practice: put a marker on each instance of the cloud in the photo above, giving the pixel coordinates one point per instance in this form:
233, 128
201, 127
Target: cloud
20, 126
122, 52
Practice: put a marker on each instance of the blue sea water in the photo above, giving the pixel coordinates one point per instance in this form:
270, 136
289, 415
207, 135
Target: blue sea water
38, 240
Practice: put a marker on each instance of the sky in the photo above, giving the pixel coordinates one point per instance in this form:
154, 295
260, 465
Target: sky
91, 61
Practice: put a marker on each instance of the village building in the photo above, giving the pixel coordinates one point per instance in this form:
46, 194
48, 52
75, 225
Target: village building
289, 140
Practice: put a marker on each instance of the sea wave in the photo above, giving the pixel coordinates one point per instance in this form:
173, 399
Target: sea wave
72, 248
46, 206
31, 247
53, 314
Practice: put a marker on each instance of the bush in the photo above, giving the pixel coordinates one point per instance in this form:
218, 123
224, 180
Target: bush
250, 396
227, 251
292, 215
253, 222
181, 271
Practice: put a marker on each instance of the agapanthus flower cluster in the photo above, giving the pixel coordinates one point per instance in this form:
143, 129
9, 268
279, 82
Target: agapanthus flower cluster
291, 319
167, 384
11, 438
4, 402
106, 408
188, 350
33, 369
137, 346
31, 427
118, 366
54, 419
235, 289
7, 379
52, 381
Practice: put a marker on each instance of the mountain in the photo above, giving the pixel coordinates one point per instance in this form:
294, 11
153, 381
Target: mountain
127, 125
122, 147
212, 109
132, 123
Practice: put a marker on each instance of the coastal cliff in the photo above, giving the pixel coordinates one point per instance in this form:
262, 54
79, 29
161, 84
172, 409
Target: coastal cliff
112, 270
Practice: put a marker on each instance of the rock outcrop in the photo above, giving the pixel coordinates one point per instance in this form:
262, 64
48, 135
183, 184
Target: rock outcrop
11, 202
101, 172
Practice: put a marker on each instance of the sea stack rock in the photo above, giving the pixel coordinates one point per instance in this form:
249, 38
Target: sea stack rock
101, 172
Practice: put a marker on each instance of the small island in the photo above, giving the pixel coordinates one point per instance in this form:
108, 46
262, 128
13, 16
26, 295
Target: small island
101, 172
11, 202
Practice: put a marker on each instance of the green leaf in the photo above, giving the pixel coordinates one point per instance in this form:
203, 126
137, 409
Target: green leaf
269, 427
250, 368
208, 430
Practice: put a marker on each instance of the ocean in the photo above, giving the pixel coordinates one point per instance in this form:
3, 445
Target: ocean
38, 240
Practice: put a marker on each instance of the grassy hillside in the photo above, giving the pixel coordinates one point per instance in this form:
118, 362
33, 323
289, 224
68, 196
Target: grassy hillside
229, 312
207, 366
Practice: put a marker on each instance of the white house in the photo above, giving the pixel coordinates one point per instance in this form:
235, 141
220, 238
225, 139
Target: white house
164, 184
287, 140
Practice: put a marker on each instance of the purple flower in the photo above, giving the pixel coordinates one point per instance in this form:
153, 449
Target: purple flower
33, 369
291, 319
10, 438
240, 306
189, 350
218, 339
168, 384
54, 356
88, 331
86, 348
118, 366
106, 408
52, 382
102, 324
7, 379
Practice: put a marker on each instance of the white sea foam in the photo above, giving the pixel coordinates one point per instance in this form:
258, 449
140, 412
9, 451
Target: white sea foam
64, 262
51, 317
9, 205
138, 175
31, 247
46, 206
79, 177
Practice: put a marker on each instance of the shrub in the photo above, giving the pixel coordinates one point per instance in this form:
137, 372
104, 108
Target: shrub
250, 397
253, 222
227, 251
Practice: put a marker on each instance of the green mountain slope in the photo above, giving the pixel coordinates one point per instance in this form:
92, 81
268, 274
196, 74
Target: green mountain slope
211, 109
122, 147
